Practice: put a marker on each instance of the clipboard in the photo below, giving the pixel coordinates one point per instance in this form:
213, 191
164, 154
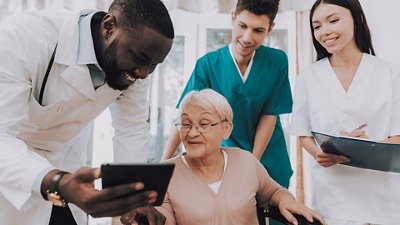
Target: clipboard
362, 153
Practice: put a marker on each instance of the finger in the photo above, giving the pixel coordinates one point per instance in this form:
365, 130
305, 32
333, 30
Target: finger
319, 218
151, 219
327, 164
160, 219
312, 215
339, 158
97, 173
288, 216
327, 161
323, 155
344, 133
343, 159
120, 206
119, 190
357, 133
336, 158
128, 218
304, 211
308, 215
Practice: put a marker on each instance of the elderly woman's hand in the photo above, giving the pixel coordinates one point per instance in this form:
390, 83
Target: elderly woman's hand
150, 213
289, 206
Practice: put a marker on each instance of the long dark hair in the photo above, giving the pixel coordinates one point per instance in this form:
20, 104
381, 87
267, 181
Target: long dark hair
362, 33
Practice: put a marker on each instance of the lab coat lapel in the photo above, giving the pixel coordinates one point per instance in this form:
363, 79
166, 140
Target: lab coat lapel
78, 77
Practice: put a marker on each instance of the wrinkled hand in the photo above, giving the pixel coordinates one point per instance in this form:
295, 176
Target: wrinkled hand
288, 207
78, 188
358, 133
153, 216
327, 160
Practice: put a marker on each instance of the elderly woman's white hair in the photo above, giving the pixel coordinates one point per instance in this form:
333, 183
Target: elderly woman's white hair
208, 100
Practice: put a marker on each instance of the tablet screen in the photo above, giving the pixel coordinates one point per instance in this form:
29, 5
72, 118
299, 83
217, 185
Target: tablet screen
155, 176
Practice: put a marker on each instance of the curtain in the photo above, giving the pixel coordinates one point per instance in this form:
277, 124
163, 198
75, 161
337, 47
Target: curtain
305, 55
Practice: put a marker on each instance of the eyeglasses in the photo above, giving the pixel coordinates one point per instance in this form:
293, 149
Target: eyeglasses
201, 128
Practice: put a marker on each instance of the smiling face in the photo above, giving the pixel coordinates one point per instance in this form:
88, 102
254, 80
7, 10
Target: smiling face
130, 56
202, 145
248, 32
334, 28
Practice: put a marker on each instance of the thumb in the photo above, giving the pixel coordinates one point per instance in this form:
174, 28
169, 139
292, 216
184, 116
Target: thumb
357, 133
128, 218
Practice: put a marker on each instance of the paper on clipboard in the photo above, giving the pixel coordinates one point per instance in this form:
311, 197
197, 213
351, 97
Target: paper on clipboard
362, 153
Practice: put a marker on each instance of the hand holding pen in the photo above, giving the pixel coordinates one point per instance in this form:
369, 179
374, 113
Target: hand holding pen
358, 132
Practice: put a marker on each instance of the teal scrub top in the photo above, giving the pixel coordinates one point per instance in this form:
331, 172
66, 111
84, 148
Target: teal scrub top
265, 92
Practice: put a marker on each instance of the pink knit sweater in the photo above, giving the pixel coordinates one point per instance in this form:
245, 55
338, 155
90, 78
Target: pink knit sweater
189, 201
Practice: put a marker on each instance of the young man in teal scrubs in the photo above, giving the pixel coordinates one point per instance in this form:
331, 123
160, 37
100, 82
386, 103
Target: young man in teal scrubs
254, 79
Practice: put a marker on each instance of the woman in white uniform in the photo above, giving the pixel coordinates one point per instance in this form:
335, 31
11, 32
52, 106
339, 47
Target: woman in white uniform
347, 87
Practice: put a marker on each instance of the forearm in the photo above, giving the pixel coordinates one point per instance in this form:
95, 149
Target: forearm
172, 144
282, 195
309, 144
263, 135
19, 169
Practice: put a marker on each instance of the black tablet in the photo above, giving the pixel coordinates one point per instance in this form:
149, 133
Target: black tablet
155, 177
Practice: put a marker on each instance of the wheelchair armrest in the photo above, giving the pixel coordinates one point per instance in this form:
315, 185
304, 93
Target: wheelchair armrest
274, 213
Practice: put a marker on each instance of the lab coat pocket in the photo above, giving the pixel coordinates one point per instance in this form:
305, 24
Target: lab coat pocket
43, 116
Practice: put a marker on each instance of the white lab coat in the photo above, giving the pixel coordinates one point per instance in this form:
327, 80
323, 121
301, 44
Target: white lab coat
34, 138
322, 105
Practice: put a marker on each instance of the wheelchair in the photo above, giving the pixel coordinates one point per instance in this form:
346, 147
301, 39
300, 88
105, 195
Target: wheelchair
274, 213
262, 213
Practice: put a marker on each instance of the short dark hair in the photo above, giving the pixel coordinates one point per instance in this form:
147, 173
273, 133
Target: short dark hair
362, 33
137, 14
259, 7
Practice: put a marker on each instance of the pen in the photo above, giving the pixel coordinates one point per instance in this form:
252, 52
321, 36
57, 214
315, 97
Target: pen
361, 127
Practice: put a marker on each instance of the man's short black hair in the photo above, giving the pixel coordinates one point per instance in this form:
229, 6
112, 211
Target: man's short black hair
259, 7
137, 14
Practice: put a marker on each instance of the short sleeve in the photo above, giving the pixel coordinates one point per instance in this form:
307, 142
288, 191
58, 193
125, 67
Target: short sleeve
301, 123
197, 80
280, 101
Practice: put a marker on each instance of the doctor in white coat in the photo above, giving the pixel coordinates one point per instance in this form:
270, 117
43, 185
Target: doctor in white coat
347, 87
44, 134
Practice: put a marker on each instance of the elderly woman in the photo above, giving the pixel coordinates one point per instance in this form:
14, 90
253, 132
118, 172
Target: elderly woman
214, 185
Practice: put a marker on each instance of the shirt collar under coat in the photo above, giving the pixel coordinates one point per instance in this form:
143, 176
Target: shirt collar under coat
68, 40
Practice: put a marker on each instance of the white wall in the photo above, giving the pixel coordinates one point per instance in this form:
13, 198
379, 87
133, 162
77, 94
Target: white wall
383, 19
